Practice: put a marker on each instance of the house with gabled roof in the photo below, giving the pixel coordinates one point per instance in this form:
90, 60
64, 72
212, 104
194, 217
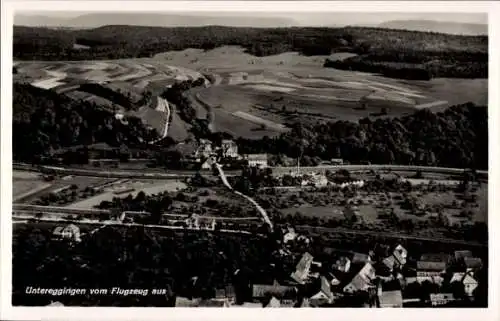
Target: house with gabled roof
362, 281
324, 295
301, 272
470, 284
397, 259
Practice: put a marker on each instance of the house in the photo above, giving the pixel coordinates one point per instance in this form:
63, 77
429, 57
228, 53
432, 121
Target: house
282, 292
460, 255
400, 253
314, 179
441, 298
431, 271
209, 163
256, 160
472, 264
360, 258
290, 235
362, 281
343, 264
303, 267
470, 284
204, 149
397, 259
324, 295
390, 299
229, 148
70, 232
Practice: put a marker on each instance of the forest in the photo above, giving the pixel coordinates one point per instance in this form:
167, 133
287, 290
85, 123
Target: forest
44, 121
457, 137
380, 49
138, 258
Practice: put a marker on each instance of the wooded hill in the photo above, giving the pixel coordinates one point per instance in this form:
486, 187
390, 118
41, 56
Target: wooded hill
441, 54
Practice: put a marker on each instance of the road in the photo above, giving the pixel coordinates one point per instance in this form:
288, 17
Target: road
251, 200
25, 218
60, 210
163, 106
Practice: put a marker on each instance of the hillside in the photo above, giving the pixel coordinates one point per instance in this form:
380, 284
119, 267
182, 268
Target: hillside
457, 137
44, 121
455, 28
451, 55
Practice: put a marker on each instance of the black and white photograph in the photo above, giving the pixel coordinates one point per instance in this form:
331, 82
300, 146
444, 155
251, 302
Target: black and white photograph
249, 159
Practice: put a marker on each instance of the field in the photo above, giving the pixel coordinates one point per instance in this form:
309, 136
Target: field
129, 187
25, 184
287, 87
253, 96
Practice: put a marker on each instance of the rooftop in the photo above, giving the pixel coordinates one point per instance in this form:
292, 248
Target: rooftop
473, 262
391, 299
431, 266
435, 257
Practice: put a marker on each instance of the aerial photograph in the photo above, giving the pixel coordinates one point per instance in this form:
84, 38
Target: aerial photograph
245, 159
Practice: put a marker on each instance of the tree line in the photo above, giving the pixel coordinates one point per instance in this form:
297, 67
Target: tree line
457, 137
468, 54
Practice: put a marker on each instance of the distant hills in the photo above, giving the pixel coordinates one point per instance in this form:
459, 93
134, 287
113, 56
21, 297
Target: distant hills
150, 19
456, 28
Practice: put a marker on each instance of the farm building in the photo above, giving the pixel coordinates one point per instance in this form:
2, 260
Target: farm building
229, 148
70, 232
256, 160
362, 281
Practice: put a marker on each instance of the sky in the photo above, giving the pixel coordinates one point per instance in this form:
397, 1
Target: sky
332, 18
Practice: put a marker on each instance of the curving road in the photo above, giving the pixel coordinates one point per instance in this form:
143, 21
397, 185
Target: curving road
164, 107
251, 200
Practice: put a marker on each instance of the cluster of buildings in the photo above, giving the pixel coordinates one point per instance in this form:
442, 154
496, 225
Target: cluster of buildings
351, 279
206, 154
69, 233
